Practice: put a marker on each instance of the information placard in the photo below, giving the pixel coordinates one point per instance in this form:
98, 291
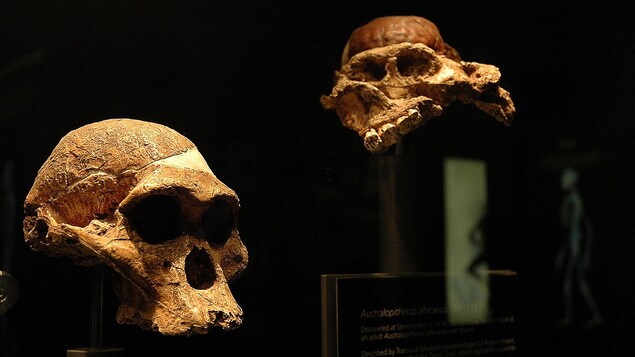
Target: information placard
373, 315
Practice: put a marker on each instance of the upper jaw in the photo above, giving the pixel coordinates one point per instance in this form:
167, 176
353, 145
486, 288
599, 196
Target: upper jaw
389, 126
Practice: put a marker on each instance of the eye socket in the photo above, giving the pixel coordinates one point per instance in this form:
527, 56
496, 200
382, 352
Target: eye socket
375, 71
218, 222
411, 66
157, 218
370, 71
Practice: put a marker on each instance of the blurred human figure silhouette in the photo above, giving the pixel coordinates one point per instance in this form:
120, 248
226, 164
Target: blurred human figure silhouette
574, 257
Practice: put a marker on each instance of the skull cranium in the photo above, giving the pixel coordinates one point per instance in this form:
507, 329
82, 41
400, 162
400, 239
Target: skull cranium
397, 73
139, 198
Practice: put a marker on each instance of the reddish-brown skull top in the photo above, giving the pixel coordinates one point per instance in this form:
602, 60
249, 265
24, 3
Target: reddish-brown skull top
391, 30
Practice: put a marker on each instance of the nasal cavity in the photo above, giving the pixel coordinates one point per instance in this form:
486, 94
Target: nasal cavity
199, 269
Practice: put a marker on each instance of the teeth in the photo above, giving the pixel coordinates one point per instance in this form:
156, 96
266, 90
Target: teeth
415, 116
404, 125
377, 140
388, 133
372, 141
436, 110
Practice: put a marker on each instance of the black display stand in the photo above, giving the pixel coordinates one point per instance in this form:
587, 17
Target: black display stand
410, 201
406, 315
414, 307
96, 336
396, 252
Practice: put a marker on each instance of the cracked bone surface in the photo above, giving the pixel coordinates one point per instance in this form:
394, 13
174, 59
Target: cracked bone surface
139, 198
397, 73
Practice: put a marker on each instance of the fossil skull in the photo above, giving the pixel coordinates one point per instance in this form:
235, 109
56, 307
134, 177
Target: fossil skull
139, 198
397, 73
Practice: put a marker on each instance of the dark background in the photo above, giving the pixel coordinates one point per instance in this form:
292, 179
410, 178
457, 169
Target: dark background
242, 80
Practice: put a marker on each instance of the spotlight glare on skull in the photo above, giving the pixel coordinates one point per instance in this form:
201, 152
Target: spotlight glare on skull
139, 198
397, 73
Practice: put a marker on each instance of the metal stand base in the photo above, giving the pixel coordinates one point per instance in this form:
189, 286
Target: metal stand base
97, 300
97, 352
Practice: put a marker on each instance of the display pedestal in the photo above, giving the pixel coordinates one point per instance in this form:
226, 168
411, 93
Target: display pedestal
407, 315
404, 310
96, 338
